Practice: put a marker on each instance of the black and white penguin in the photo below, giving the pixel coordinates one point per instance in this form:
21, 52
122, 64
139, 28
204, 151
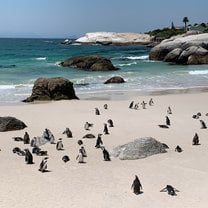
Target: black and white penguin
99, 141
203, 125
59, 145
105, 106
68, 133
43, 165
178, 149
131, 104
65, 158
97, 112
195, 140
169, 111
28, 157
105, 130
106, 155
170, 189
136, 185
26, 138
83, 151
151, 103
110, 122
167, 121
143, 104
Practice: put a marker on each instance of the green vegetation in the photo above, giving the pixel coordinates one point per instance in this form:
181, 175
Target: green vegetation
185, 21
165, 33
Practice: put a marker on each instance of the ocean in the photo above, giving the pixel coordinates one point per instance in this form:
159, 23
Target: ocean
22, 61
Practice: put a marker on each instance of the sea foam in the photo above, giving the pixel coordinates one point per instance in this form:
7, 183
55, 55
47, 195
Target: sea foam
40, 58
198, 72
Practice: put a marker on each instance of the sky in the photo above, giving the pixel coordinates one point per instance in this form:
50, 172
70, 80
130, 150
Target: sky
74, 18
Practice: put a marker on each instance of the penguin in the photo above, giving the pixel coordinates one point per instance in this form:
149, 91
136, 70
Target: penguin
99, 141
110, 122
131, 104
170, 189
83, 151
97, 112
178, 149
105, 106
43, 165
105, 129
59, 145
49, 136
136, 185
167, 121
65, 158
80, 157
35, 150
106, 155
195, 140
28, 157
68, 133
203, 125
80, 142
87, 126
136, 106
151, 103
26, 138
169, 111
143, 104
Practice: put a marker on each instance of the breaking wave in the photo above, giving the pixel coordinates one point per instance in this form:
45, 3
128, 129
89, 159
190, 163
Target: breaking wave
198, 72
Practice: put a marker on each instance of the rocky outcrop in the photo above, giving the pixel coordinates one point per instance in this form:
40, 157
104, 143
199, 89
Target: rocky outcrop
115, 80
138, 149
56, 88
191, 49
11, 124
107, 38
89, 63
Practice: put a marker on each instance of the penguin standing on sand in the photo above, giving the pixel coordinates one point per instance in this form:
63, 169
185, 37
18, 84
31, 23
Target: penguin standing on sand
26, 138
99, 141
195, 139
59, 145
169, 111
167, 121
106, 155
136, 185
110, 122
87, 126
105, 129
68, 133
43, 165
178, 149
143, 105
28, 157
151, 103
80, 157
97, 112
131, 104
83, 151
105, 106
203, 125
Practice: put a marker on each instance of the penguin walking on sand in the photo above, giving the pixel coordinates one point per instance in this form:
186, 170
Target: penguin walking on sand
136, 185
136, 106
68, 133
59, 145
28, 157
195, 140
97, 112
170, 189
43, 165
83, 151
167, 121
106, 155
203, 125
26, 138
99, 141
105, 130
131, 104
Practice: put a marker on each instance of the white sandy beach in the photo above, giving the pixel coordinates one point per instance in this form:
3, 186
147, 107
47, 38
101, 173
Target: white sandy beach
101, 184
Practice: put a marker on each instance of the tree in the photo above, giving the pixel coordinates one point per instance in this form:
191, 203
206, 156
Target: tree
185, 21
172, 26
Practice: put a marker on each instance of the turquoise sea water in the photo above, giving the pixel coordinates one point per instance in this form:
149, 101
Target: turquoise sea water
22, 61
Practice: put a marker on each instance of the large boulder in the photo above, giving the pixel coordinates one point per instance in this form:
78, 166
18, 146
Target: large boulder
56, 88
90, 63
114, 80
138, 149
178, 49
11, 124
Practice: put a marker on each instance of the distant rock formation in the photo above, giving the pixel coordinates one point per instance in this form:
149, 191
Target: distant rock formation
138, 149
115, 79
191, 49
107, 38
89, 63
11, 124
56, 88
